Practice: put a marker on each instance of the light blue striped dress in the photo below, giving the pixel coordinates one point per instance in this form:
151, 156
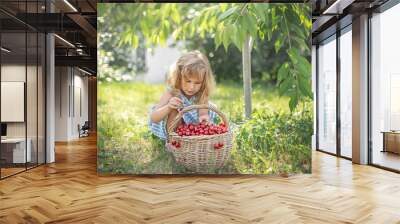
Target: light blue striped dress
159, 129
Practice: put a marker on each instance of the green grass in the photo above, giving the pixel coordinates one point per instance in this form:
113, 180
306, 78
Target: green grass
126, 144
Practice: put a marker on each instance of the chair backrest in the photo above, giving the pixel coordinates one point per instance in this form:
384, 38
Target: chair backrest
86, 125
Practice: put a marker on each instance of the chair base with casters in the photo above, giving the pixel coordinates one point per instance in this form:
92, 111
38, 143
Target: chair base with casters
84, 130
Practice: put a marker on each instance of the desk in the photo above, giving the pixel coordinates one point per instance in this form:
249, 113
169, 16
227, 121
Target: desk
16, 147
391, 141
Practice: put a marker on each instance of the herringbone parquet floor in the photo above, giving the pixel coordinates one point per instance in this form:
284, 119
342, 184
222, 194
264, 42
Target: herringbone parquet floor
70, 191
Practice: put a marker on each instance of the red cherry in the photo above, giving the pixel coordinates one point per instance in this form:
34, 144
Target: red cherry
178, 145
216, 146
173, 142
221, 145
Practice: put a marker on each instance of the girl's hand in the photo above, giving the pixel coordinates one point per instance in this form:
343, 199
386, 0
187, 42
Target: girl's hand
204, 118
175, 103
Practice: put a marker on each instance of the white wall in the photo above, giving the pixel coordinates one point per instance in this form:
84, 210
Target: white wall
80, 94
14, 73
70, 83
62, 81
158, 62
33, 127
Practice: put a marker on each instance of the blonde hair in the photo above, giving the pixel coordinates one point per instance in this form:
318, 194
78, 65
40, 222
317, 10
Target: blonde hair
192, 64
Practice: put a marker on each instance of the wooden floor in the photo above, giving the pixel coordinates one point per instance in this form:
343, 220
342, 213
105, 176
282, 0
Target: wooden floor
387, 159
10, 171
70, 191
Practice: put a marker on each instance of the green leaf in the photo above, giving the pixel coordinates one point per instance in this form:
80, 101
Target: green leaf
269, 34
176, 33
135, 41
226, 36
279, 43
294, 100
223, 6
227, 13
250, 24
282, 72
236, 39
261, 34
260, 10
305, 87
175, 15
285, 85
298, 29
303, 67
218, 36
293, 55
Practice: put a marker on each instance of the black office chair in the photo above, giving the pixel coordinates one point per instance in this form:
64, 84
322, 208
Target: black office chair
84, 130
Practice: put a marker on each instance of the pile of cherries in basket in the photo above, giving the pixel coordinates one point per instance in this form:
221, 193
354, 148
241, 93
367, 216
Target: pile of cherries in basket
200, 129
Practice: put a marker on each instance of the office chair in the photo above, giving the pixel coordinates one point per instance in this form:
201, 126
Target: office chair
84, 130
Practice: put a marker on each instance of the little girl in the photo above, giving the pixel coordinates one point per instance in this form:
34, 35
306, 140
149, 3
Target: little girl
190, 81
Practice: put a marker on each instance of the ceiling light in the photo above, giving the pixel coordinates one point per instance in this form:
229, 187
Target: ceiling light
70, 5
338, 6
84, 71
5, 49
64, 40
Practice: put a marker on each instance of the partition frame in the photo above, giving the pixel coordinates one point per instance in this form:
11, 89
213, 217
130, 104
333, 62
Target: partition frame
338, 34
384, 7
44, 75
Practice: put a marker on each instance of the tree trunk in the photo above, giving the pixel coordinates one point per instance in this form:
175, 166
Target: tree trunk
246, 57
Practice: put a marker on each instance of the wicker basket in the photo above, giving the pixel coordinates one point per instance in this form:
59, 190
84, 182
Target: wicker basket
197, 153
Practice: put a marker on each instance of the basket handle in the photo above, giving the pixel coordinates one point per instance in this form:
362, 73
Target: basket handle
192, 107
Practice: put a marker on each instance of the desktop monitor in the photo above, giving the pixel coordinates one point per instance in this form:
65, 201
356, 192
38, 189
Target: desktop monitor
3, 129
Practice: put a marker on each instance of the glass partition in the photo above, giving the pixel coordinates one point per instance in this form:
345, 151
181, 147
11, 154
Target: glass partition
22, 64
32, 95
385, 89
327, 96
41, 110
346, 93
13, 94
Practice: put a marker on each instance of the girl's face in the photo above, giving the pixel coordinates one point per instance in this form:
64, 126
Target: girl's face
191, 85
